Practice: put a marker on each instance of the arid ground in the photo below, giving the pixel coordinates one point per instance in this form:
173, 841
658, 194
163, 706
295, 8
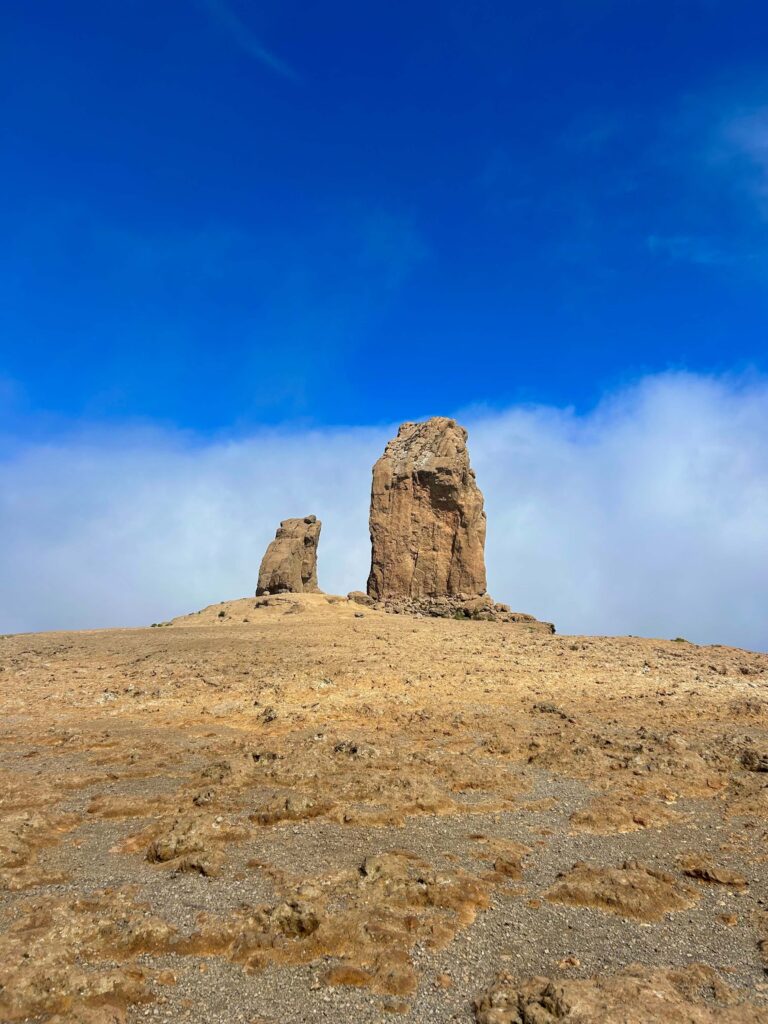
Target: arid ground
297, 809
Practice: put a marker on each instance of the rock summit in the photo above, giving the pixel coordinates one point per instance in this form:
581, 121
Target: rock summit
427, 521
289, 564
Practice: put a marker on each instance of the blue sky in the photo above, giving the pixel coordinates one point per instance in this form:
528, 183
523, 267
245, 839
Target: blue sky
220, 214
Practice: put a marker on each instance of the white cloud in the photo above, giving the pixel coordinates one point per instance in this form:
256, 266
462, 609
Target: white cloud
648, 515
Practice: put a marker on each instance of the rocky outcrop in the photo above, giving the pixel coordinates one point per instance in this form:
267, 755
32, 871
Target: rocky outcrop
694, 994
427, 521
481, 609
427, 529
289, 564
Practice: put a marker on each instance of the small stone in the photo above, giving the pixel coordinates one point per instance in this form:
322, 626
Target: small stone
568, 961
754, 762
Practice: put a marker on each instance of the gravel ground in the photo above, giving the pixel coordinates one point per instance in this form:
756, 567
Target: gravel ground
399, 800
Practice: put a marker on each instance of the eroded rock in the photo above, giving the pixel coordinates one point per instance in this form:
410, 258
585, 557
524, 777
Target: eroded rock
632, 891
427, 521
754, 761
621, 812
427, 528
697, 866
290, 562
692, 995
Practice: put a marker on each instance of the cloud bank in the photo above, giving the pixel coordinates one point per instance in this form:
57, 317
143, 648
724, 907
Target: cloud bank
647, 515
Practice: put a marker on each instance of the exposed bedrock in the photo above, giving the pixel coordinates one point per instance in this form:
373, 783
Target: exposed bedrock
427, 521
289, 564
427, 528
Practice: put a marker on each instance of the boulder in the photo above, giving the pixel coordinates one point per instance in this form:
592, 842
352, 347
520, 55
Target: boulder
289, 564
427, 521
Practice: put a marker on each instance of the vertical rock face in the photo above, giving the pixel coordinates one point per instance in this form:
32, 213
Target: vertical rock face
427, 521
289, 564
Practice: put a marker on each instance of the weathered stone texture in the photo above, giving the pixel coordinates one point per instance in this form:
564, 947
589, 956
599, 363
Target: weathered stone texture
427, 521
290, 562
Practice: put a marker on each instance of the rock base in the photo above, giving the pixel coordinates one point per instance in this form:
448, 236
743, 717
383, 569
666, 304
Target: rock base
480, 609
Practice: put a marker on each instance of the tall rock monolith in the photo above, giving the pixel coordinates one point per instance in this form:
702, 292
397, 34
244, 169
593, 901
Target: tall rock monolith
289, 564
427, 521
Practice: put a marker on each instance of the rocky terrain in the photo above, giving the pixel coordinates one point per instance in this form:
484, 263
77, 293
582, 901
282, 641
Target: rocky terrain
302, 808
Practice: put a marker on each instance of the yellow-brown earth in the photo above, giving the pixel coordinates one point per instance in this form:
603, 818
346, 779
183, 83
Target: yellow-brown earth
298, 809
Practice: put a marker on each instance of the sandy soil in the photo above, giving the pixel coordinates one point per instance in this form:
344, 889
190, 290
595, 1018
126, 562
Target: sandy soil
299, 809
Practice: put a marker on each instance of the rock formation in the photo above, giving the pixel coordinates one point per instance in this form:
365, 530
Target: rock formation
427, 521
428, 528
289, 564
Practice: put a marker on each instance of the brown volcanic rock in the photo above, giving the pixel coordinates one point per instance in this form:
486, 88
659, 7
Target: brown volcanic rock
289, 564
689, 995
631, 891
427, 521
